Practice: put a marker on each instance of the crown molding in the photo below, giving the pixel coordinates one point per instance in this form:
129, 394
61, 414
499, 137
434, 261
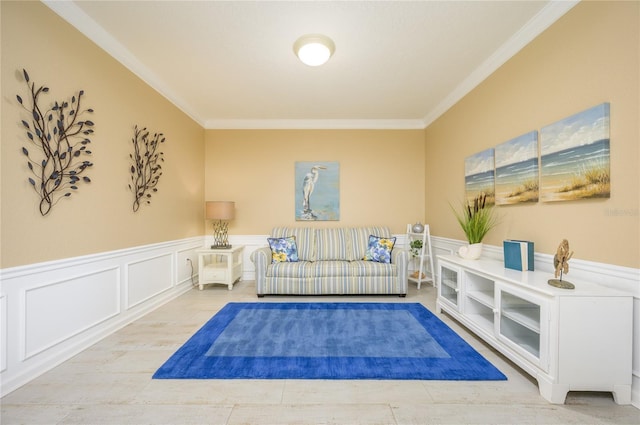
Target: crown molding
74, 15
295, 124
549, 14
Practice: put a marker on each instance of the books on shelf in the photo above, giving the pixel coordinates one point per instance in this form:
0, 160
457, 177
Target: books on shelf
518, 255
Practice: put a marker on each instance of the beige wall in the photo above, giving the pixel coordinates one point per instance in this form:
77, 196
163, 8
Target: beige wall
99, 216
381, 175
589, 56
387, 177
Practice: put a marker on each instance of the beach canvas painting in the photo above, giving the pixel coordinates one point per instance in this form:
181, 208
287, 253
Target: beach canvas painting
317, 186
479, 176
517, 170
574, 157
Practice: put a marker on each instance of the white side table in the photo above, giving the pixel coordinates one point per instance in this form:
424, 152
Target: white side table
220, 266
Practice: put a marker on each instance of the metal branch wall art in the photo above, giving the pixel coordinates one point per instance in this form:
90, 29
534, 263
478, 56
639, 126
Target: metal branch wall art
59, 136
146, 169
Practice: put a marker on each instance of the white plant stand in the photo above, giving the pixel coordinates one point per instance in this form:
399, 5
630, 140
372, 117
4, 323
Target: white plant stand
421, 267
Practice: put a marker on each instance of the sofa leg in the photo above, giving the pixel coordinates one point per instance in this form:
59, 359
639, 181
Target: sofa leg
403, 295
260, 295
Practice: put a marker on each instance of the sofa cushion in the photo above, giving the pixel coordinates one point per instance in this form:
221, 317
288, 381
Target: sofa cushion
379, 249
283, 250
330, 268
372, 269
359, 240
290, 270
331, 244
305, 240
307, 269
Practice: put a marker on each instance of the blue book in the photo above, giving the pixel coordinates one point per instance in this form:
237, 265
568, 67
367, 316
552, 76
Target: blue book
518, 255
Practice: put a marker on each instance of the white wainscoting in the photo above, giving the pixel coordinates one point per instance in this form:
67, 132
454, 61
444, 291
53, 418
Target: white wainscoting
51, 311
3, 333
622, 278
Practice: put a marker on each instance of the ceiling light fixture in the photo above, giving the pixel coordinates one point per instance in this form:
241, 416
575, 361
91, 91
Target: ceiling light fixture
314, 49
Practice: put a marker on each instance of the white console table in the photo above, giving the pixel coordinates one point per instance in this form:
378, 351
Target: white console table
567, 339
220, 266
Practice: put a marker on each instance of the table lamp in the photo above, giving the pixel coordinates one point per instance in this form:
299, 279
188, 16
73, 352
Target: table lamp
222, 211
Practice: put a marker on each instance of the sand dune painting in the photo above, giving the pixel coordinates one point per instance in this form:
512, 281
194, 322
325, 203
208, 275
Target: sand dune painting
574, 157
479, 176
516, 164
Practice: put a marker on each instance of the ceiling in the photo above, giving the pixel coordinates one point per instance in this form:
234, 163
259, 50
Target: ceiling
230, 64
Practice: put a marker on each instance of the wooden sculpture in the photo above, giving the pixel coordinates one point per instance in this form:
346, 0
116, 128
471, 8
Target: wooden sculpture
561, 264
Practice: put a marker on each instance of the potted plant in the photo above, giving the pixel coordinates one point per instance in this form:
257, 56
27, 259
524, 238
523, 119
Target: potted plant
476, 219
415, 248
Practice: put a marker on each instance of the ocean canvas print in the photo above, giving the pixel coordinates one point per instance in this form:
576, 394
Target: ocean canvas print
479, 176
517, 170
317, 186
574, 157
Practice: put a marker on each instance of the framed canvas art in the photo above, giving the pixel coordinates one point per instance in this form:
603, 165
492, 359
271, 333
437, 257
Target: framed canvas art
317, 186
574, 157
517, 170
479, 176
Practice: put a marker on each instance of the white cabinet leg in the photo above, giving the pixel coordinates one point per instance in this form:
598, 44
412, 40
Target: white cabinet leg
553, 393
622, 394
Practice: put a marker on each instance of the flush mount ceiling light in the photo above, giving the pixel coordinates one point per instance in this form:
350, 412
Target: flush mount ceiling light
314, 49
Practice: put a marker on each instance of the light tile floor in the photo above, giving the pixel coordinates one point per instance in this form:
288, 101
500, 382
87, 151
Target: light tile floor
110, 383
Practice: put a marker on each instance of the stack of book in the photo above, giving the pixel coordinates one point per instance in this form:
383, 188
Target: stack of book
518, 255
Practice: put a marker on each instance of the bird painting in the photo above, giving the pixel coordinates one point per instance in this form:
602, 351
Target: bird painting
310, 180
317, 194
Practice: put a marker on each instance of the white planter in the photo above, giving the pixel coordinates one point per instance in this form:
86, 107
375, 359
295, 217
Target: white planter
471, 252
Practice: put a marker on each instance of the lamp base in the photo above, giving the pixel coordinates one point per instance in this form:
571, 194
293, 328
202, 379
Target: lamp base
221, 246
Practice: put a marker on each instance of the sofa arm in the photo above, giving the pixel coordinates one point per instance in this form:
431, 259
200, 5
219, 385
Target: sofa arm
261, 257
401, 258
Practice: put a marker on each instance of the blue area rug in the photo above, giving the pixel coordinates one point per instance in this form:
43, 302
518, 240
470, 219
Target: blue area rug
327, 341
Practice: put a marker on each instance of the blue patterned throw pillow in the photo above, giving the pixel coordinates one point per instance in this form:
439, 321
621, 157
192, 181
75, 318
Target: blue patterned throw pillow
283, 249
379, 249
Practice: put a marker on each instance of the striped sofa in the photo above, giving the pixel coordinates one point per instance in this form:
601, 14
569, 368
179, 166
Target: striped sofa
330, 262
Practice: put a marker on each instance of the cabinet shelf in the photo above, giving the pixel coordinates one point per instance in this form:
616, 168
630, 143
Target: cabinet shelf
525, 338
529, 317
483, 320
450, 283
483, 297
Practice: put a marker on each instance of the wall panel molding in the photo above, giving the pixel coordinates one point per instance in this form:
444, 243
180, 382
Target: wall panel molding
51, 311
81, 302
147, 278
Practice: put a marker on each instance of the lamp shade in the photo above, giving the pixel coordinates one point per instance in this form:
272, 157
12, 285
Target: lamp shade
220, 210
314, 49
